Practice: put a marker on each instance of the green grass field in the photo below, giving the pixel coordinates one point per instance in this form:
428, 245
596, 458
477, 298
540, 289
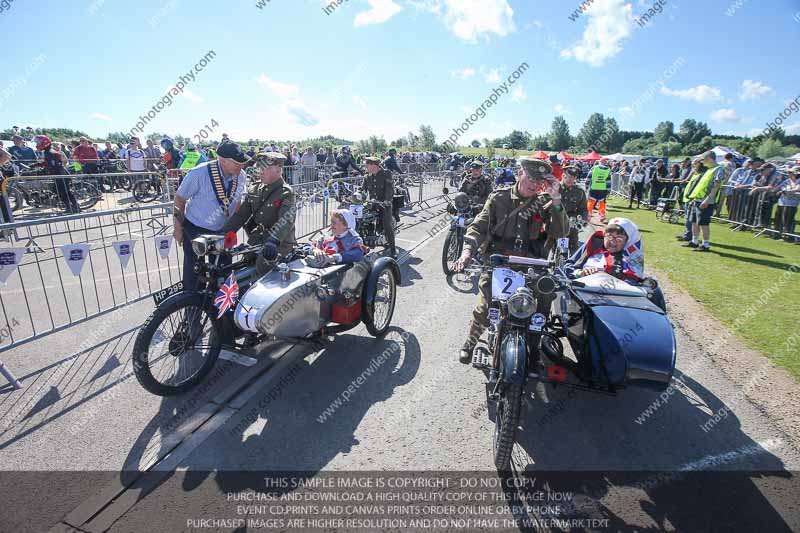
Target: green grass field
731, 279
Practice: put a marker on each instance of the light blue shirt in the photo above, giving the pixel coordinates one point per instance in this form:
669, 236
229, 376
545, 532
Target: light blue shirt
202, 207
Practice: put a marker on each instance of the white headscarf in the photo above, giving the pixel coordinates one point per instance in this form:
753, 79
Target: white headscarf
350, 220
633, 253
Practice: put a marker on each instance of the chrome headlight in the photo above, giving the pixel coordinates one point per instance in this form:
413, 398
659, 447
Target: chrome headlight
522, 304
200, 246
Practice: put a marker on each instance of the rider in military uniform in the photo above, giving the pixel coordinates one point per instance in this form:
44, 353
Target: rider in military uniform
477, 186
573, 198
268, 212
379, 187
515, 221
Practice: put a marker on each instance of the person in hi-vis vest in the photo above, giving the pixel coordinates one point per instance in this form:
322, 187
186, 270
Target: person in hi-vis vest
598, 189
192, 157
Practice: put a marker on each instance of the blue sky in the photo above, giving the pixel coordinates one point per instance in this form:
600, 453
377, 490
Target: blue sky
289, 70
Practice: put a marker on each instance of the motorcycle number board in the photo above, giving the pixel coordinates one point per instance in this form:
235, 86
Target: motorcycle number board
504, 282
461, 222
163, 294
357, 210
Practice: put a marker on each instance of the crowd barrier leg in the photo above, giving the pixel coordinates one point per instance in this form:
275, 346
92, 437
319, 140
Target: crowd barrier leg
9, 376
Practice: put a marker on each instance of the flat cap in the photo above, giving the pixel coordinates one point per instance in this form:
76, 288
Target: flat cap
535, 168
373, 160
476, 164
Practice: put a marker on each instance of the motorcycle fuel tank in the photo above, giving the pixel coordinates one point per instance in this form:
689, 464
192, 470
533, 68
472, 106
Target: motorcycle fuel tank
286, 307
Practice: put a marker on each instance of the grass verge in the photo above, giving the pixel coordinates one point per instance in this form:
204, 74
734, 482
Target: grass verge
739, 274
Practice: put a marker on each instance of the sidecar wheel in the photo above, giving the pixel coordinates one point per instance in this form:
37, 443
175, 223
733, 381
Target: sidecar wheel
379, 311
505, 425
177, 345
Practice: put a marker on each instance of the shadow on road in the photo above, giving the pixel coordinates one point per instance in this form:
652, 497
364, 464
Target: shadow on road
708, 476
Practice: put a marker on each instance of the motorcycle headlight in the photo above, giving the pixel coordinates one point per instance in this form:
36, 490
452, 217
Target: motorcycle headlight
522, 304
200, 246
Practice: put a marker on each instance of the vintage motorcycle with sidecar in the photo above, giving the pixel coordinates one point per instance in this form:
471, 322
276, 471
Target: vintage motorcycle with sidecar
290, 299
618, 333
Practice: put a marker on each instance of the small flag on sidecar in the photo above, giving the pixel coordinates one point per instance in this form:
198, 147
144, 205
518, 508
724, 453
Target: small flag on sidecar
227, 295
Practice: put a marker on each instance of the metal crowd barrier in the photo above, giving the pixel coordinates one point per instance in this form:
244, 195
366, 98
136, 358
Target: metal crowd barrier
61, 271
745, 211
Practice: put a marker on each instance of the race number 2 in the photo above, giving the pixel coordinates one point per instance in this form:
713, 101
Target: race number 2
504, 282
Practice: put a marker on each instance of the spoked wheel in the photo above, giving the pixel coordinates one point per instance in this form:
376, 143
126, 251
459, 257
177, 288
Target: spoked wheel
379, 315
86, 194
505, 424
451, 252
143, 191
177, 346
125, 182
15, 198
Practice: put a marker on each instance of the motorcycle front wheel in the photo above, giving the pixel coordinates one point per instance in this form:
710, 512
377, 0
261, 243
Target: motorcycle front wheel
505, 424
379, 317
451, 252
177, 345
143, 191
86, 194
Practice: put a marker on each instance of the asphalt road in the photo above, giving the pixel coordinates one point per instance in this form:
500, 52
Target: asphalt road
418, 409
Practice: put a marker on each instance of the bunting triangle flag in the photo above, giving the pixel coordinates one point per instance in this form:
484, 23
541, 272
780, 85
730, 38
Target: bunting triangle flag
75, 255
9, 259
163, 245
124, 250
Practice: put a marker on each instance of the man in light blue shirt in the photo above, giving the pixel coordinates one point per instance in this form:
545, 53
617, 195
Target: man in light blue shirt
203, 206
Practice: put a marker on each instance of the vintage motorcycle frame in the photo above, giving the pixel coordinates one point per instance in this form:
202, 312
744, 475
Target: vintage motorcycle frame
602, 318
287, 300
462, 213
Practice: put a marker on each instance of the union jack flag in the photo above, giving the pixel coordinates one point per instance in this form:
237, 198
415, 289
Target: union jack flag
227, 295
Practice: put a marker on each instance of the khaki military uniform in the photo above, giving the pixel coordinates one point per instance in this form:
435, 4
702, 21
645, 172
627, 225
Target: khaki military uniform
380, 187
574, 201
478, 190
511, 225
268, 211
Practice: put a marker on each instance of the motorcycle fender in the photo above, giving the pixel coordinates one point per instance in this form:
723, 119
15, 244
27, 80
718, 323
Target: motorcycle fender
633, 345
371, 286
513, 355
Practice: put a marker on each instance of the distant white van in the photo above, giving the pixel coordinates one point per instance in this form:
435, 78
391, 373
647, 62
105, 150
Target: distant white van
506, 146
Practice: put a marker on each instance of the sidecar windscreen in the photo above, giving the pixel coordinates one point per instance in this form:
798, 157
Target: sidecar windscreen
632, 302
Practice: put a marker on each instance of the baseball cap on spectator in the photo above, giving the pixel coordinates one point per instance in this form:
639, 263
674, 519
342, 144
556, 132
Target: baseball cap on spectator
372, 160
476, 164
795, 170
231, 150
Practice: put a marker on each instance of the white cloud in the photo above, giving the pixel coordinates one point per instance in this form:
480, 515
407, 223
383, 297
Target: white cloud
701, 93
464, 73
561, 110
492, 76
189, 95
360, 102
609, 23
469, 19
753, 90
725, 115
380, 11
99, 116
518, 94
284, 90
291, 104
792, 129
627, 110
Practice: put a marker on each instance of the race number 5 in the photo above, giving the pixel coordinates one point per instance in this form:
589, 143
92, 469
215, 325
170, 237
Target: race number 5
504, 282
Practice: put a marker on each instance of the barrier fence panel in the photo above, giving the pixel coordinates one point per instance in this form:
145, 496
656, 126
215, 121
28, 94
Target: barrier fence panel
738, 206
60, 271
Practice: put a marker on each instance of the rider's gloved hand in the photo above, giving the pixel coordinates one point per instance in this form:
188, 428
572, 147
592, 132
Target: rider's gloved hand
270, 250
